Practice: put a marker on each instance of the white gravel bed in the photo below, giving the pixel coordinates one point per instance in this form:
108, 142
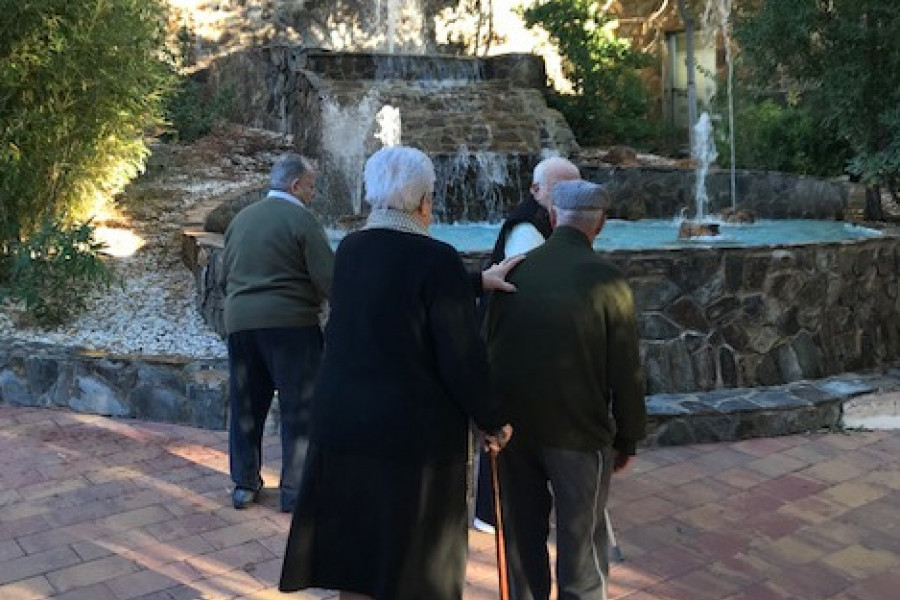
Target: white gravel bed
149, 312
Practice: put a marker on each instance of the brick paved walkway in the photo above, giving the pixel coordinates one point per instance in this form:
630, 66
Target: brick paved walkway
100, 509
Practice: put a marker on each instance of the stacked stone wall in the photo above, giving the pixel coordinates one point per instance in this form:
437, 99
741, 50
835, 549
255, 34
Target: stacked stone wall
746, 317
163, 388
720, 318
757, 317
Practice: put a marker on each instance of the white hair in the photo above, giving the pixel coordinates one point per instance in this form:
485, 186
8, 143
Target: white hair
555, 165
288, 168
398, 177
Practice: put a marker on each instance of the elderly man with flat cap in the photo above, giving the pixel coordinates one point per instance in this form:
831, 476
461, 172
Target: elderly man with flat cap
564, 355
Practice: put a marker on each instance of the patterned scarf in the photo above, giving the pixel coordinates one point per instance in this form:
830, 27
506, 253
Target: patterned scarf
391, 218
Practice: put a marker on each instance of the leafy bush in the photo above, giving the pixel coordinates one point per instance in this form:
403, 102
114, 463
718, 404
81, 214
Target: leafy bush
80, 83
192, 111
55, 271
611, 103
841, 61
776, 136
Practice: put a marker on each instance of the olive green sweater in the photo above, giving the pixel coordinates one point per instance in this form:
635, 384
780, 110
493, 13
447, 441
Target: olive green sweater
564, 349
277, 267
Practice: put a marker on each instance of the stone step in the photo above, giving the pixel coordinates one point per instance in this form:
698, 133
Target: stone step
739, 413
194, 392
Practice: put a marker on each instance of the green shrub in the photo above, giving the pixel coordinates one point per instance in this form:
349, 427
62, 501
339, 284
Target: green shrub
80, 84
611, 103
841, 61
775, 136
54, 273
192, 111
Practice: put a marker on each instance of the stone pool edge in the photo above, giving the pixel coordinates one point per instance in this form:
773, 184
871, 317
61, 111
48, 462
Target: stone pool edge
194, 392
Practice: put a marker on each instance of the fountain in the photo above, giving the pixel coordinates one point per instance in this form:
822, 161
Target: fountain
704, 152
715, 311
717, 18
464, 112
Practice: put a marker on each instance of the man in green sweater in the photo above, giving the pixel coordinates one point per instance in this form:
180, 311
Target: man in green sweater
277, 271
564, 358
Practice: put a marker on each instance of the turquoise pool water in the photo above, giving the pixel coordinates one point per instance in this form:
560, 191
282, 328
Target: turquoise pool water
657, 233
650, 234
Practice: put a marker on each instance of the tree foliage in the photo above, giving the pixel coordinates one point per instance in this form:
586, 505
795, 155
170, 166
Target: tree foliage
840, 60
54, 272
775, 134
611, 102
80, 83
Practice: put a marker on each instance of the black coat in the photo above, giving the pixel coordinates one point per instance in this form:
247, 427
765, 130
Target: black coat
404, 367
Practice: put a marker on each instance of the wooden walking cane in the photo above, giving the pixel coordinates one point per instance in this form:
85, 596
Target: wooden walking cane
498, 529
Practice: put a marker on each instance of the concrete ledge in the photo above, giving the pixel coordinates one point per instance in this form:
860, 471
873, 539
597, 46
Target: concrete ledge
741, 413
167, 389
194, 392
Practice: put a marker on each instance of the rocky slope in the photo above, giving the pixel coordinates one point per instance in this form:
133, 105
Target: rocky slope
151, 310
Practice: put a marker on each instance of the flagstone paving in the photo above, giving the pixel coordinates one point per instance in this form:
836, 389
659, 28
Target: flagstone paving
93, 508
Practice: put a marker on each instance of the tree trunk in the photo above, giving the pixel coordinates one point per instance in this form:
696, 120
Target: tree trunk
873, 210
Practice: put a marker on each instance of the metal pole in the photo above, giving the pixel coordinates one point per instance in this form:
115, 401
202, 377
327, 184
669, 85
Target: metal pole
613, 544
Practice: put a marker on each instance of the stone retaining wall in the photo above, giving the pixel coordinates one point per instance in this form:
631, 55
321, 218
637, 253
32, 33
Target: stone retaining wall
166, 389
724, 318
714, 318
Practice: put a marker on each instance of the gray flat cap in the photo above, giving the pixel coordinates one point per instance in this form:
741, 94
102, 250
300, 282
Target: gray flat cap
579, 194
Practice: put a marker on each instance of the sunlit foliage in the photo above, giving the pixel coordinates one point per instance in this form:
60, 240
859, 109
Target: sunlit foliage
610, 101
80, 84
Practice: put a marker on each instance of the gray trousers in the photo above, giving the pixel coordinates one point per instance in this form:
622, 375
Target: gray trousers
575, 485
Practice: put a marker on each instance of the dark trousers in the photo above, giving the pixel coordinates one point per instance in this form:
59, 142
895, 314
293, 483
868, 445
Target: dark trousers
484, 499
576, 485
261, 361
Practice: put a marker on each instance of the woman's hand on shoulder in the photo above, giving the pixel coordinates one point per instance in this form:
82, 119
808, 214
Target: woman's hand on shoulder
494, 277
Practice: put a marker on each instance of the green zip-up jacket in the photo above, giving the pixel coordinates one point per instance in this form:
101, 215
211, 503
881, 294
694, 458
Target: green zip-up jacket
564, 349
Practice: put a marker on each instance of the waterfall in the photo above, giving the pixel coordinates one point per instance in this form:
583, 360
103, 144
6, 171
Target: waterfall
470, 185
403, 24
345, 131
389, 126
717, 15
704, 152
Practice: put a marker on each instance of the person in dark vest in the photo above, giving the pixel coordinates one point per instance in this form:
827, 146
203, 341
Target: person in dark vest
277, 267
382, 509
526, 227
565, 362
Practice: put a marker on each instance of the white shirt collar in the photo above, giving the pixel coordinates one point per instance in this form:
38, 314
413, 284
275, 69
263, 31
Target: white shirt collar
285, 196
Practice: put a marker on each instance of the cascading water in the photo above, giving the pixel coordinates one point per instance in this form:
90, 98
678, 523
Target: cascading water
717, 16
403, 22
472, 183
389, 126
469, 177
465, 113
704, 152
345, 145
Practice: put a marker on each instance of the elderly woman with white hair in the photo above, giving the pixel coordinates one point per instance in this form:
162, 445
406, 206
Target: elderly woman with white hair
382, 506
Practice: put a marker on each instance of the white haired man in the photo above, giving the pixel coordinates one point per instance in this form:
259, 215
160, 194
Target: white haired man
277, 272
565, 362
526, 227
